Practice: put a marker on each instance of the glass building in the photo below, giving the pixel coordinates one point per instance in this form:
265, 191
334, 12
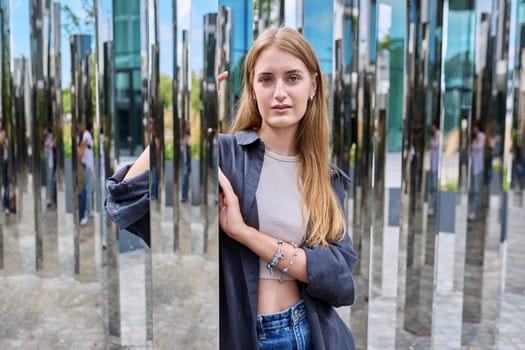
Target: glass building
129, 131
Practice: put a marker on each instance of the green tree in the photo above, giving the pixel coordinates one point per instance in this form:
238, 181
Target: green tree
73, 24
166, 90
66, 100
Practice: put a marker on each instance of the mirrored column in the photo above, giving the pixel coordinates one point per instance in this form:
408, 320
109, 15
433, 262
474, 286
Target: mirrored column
9, 144
82, 155
45, 217
387, 177
362, 200
491, 125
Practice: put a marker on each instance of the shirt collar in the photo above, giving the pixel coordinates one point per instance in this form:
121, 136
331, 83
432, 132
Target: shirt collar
246, 137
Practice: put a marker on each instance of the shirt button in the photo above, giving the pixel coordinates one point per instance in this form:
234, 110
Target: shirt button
296, 313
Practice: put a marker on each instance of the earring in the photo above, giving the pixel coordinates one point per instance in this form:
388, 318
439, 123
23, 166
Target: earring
311, 98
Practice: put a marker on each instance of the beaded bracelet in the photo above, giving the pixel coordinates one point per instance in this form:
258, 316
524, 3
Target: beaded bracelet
291, 261
276, 257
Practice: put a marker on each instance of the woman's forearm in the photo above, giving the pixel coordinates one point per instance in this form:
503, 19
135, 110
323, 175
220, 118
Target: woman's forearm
140, 165
265, 247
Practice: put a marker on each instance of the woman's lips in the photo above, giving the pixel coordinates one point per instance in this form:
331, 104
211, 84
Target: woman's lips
281, 107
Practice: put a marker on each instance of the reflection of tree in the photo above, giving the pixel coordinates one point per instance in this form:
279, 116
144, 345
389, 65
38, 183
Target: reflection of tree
166, 90
73, 23
66, 100
262, 10
195, 114
384, 44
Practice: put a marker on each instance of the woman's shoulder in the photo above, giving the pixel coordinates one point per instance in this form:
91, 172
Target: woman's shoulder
242, 138
338, 173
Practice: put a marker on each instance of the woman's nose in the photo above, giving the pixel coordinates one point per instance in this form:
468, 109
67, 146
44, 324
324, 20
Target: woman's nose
280, 92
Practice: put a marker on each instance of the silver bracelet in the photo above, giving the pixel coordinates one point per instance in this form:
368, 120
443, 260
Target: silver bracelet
276, 257
291, 261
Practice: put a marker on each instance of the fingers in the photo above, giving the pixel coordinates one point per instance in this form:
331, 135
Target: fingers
224, 182
227, 190
220, 79
222, 76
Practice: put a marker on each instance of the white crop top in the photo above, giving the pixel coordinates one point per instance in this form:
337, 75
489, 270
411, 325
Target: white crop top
279, 205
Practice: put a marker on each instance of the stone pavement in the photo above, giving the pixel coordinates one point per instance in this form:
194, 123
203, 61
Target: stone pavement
60, 311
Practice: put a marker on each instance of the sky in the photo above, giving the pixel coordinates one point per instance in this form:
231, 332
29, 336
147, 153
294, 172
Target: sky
190, 14
20, 31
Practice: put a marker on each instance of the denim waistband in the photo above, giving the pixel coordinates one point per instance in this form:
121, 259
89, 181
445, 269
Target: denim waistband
289, 317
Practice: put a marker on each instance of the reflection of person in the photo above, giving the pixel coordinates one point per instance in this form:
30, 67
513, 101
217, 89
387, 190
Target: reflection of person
489, 152
102, 178
478, 165
186, 162
3, 166
89, 161
155, 151
49, 146
285, 257
82, 176
434, 163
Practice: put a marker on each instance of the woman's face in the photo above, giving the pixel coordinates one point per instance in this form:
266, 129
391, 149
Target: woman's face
282, 85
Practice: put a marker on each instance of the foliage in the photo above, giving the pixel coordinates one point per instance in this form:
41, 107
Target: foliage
169, 152
166, 90
384, 44
73, 24
195, 92
68, 147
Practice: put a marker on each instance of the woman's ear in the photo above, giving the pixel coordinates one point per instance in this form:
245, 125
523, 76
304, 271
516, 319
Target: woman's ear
314, 85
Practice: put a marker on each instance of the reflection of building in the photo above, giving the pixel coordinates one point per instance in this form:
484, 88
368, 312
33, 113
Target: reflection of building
224, 44
238, 32
128, 100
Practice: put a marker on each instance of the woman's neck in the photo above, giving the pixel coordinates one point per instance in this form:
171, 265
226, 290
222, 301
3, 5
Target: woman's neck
280, 141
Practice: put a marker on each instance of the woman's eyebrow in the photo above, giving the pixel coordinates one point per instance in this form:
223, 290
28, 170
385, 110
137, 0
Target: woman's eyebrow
291, 71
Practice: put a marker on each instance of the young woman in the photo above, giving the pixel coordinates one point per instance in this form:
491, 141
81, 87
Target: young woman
285, 258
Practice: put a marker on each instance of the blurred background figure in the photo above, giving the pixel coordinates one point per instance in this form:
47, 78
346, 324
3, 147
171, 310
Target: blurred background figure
85, 172
154, 157
3, 166
478, 166
186, 158
49, 145
434, 163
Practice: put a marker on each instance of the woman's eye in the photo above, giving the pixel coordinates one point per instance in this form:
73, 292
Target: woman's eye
266, 80
293, 78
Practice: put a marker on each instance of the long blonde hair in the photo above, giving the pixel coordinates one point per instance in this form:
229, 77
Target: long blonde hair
326, 221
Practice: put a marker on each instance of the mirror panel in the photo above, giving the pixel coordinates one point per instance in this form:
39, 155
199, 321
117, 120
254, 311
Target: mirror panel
408, 82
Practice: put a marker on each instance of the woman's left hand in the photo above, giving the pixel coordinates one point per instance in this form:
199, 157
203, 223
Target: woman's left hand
230, 217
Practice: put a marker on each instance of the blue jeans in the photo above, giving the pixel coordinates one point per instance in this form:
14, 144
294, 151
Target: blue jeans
154, 183
5, 197
185, 180
50, 185
82, 204
285, 330
475, 193
89, 190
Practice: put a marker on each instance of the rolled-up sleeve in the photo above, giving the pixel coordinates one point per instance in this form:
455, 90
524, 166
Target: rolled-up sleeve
127, 203
329, 271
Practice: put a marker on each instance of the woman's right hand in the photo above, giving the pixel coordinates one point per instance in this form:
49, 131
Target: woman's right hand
220, 78
230, 217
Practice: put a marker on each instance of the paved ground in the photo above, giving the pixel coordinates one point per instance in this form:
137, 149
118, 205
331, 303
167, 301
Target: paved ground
57, 309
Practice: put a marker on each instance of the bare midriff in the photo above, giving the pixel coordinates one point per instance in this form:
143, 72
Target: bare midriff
276, 296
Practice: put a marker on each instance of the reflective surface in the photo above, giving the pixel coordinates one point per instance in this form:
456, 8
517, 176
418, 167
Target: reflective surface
427, 116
